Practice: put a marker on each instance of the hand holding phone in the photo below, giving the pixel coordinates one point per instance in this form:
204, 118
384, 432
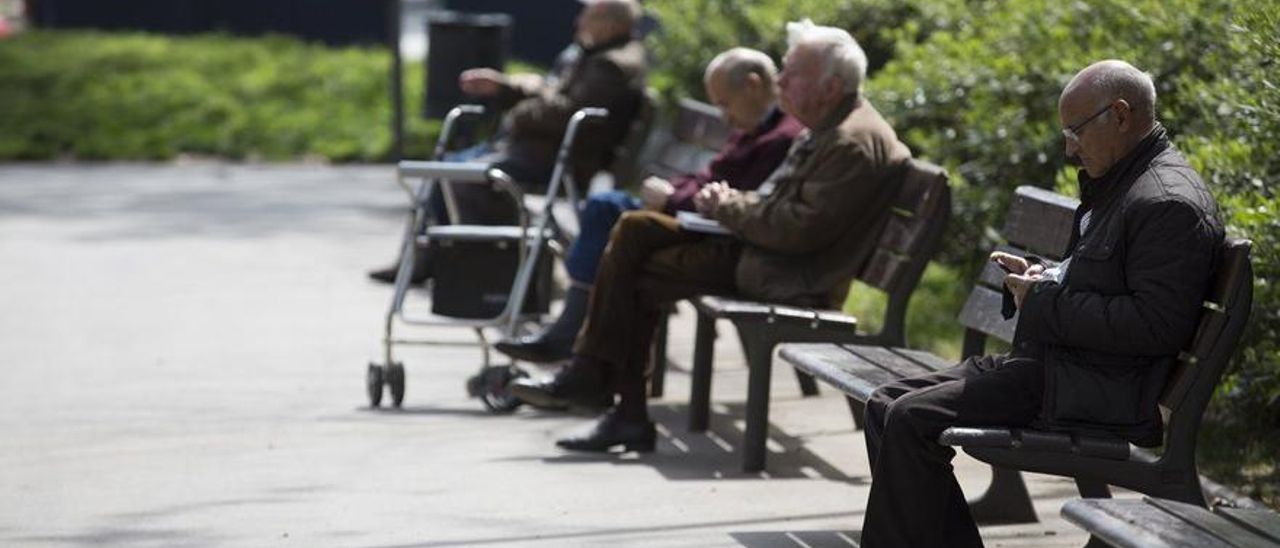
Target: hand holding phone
1011, 264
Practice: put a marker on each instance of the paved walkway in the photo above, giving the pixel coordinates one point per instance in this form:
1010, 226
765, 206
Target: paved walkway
182, 351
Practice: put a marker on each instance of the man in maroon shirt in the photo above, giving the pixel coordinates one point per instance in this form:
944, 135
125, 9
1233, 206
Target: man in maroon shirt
741, 82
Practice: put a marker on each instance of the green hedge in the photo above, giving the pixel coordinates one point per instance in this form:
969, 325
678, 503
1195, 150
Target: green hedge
973, 85
91, 95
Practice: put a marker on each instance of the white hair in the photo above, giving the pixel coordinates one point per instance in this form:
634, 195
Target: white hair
842, 56
740, 63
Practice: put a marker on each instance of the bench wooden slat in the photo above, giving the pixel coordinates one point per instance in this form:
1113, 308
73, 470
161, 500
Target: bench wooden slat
1262, 522
885, 358
913, 212
723, 307
700, 123
982, 313
1215, 525
1115, 521
1213, 320
883, 268
928, 360
1036, 219
680, 157
836, 366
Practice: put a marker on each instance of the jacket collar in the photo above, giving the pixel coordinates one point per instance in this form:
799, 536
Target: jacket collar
1100, 191
838, 115
771, 120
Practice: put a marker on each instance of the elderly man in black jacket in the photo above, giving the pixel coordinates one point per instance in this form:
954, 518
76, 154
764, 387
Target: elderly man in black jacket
1097, 334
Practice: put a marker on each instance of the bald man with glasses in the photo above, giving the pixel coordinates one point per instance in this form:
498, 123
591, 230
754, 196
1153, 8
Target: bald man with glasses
1097, 334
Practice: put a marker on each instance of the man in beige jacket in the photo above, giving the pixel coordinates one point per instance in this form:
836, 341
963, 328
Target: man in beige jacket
800, 239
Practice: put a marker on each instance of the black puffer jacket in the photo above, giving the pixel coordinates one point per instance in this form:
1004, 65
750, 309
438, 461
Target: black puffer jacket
1109, 333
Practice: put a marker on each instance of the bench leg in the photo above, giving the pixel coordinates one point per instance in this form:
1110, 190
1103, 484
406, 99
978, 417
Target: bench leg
808, 386
700, 383
1005, 501
1095, 542
1091, 489
859, 412
760, 365
658, 356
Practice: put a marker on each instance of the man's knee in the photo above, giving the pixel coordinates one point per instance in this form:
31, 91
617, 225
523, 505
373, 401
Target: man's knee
634, 223
904, 414
877, 405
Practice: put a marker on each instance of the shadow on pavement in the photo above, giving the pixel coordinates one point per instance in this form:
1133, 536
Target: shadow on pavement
797, 539
716, 454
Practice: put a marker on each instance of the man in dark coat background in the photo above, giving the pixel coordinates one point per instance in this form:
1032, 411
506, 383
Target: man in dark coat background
608, 72
1097, 334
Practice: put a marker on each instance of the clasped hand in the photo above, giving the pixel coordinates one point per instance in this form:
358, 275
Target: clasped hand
1020, 274
711, 196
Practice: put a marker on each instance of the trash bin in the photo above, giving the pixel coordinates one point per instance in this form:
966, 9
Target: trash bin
456, 42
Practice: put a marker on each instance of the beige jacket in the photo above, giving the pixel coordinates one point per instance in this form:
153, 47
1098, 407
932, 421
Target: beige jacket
805, 241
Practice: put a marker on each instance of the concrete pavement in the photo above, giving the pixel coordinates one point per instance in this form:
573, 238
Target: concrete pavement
182, 349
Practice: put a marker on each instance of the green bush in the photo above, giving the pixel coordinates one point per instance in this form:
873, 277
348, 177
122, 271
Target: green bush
91, 95
694, 31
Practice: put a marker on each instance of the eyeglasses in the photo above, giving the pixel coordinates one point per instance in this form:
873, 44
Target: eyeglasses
1073, 133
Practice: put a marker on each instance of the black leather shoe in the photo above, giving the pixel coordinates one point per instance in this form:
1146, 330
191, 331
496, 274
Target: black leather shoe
388, 275
611, 431
571, 388
421, 268
536, 349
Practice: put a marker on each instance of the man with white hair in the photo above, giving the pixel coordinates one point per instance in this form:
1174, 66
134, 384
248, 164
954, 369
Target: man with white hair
1097, 334
742, 82
799, 239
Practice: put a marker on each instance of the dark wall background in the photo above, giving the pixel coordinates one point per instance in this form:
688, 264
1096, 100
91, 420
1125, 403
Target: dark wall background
541, 28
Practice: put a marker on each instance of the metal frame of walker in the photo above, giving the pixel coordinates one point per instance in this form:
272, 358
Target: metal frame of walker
490, 383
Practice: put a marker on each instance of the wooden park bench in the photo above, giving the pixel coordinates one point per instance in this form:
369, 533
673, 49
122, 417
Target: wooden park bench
1162, 523
1039, 222
907, 241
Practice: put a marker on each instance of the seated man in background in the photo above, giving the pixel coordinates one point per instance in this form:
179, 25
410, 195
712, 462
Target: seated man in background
800, 239
1097, 335
609, 72
742, 83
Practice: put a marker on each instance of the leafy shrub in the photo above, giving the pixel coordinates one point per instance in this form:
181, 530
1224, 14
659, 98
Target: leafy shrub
94, 95
694, 31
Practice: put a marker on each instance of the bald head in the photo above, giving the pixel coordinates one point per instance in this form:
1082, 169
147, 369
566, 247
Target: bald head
1106, 81
741, 83
738, 64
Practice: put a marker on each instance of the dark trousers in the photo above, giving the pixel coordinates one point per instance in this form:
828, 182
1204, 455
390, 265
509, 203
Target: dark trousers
482, 204
648, 262
915, 500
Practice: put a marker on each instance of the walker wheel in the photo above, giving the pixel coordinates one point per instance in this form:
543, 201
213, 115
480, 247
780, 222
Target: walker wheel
373, 382
395, 381
491, 385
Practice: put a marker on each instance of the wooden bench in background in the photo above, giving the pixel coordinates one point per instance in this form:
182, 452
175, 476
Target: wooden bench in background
1039, 223
907, 241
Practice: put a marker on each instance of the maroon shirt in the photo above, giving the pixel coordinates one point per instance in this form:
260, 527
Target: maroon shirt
746, 160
